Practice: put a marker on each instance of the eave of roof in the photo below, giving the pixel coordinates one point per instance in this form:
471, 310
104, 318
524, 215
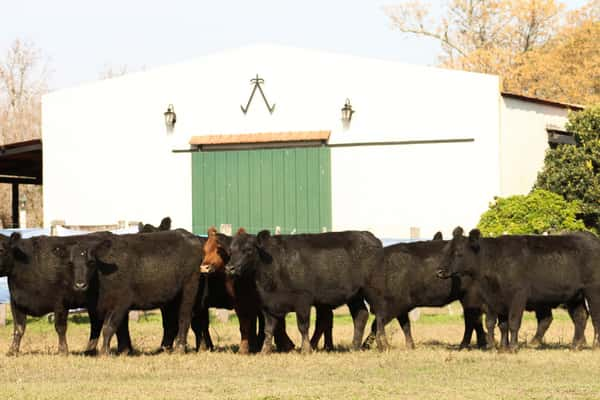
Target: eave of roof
545, 102
260, 138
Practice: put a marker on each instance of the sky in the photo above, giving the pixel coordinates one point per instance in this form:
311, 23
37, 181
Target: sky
82, 38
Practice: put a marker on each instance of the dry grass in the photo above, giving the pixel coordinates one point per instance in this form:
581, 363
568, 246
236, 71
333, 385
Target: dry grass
434, 371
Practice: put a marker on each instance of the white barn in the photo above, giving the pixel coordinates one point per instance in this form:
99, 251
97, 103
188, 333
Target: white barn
426, 149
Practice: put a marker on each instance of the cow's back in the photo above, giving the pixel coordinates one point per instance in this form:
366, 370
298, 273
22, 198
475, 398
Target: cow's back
329, 266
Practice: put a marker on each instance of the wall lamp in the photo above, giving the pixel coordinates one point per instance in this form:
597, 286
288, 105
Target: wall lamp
347, 112
170, 118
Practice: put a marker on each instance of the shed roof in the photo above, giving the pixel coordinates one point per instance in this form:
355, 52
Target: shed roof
546, 102
21, 162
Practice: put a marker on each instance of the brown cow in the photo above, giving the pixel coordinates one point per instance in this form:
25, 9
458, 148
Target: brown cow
242, 295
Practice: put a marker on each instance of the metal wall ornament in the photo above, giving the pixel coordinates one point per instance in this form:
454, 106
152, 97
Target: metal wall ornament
170, 118
257, 82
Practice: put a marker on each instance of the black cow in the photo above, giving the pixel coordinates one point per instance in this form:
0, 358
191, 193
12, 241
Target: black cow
518, 272
411, 282
41, 282
295, 272
141, 271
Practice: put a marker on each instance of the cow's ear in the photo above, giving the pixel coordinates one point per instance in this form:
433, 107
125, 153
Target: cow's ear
165, 224
240, 231
457, 232
262, 237
474, 237
60, 251
16, 246
438, 236
100, 250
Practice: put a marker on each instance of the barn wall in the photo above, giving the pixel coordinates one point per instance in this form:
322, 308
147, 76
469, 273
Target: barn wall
524, 142
107, 155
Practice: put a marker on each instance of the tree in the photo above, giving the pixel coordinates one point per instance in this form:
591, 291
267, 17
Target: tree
536, 46
574, 171
23, 80
538, 212
567, 68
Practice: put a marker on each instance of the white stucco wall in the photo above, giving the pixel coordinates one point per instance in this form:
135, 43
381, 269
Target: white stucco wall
107, 155
524, 141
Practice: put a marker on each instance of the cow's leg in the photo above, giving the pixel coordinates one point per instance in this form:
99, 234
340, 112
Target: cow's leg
19, 320
186, 307
469, 316
579, 316
478, 326
253, 337
320, 324
360, 316
515, 316
270, 322
260, 337
123, 338
592, 295
200, 326
303, 320
111, 323
404, 321
95, 329
60, 325
282, 340
503, 326
169, 313
380, 336
327, 320
245, 320
371, 337
490, 324
543, 315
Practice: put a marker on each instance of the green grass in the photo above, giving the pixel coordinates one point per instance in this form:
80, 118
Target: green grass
435, 370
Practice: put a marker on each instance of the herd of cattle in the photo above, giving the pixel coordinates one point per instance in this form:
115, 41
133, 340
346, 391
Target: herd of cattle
264, 277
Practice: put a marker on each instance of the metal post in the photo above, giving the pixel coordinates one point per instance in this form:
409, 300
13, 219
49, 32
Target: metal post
15, 205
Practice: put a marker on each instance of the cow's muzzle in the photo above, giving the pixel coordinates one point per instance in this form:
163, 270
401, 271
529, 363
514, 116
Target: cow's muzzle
207, 269
80, 286
232, 270
443, 274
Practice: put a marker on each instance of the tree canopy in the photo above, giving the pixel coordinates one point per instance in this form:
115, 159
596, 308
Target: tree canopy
536, 46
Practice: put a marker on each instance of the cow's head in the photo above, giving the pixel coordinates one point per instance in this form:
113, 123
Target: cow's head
11, 249
246, 251
216, 255
85, 259
165, 225
459, 256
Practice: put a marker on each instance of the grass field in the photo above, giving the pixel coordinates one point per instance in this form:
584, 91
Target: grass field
436, 370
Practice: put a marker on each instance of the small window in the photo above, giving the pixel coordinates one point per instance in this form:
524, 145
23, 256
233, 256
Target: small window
558, 136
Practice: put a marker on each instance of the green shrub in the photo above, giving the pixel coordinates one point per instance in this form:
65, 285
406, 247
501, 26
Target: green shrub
574, 171
538, 212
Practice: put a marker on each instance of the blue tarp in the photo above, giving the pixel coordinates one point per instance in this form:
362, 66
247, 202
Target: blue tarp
27, 233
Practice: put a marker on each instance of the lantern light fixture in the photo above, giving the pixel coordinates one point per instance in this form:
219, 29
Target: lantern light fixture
170, 117
347, 112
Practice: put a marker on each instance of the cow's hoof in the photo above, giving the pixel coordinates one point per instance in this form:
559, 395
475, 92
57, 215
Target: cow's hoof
535, 342
180, 349
12, 353
580, 345
267, 349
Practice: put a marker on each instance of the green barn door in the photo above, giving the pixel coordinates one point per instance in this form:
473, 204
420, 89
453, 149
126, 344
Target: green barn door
262, 189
